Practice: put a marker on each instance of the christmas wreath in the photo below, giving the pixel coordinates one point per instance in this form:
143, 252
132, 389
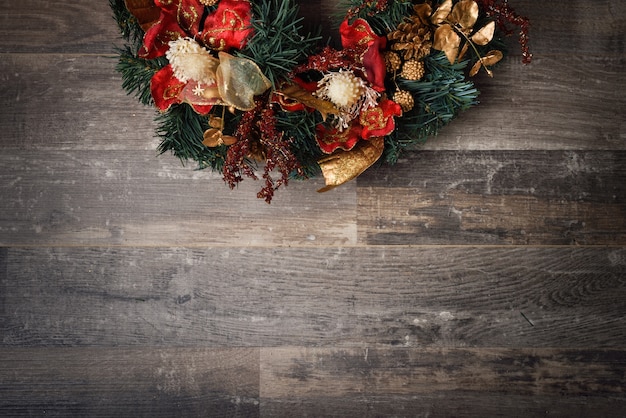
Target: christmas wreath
239, 86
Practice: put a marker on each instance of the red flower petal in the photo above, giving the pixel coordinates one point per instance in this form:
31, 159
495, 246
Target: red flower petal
229, 26
378, 121
166, 88
331, 139
360, 37
156, 39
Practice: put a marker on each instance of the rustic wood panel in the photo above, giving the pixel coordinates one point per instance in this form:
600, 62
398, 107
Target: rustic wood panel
305, 296
486, 197
437, 382
121, 198
76, 102
152, 382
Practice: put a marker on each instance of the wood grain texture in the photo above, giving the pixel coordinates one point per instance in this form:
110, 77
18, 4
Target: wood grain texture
129, 382
349, 297
484, 197
120, 198
441, 383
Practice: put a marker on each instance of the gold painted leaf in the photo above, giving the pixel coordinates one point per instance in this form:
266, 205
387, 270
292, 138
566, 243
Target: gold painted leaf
448, 41
465, 14
297, 93
442, 12
423, 12
485, 34
491, 58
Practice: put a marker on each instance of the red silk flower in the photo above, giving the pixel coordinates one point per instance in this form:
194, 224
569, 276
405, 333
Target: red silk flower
226, 28
368, 46
376, 121
167, 90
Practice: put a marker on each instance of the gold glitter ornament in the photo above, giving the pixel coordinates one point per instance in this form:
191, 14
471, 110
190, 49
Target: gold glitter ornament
393, 62
413, 70
209, 2
404, 99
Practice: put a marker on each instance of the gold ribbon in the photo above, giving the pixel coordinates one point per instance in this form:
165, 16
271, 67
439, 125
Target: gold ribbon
343, 166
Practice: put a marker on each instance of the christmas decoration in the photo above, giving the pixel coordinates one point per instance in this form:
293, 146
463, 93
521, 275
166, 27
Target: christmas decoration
240, 88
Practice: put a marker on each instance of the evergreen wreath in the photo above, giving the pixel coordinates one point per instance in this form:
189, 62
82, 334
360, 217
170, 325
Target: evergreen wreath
239, 85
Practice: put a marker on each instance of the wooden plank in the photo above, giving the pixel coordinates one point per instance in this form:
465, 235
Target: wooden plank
129, 382
309, 296
70, 102
77, 102
474, 197
122, 198
441, 383
582, 28
57, 26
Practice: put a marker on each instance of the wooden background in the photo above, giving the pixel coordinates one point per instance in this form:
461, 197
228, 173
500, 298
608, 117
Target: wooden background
484, 275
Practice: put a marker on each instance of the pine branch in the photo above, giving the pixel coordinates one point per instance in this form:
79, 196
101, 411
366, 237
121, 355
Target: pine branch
439, 97
181, 130
277, 45
137, 73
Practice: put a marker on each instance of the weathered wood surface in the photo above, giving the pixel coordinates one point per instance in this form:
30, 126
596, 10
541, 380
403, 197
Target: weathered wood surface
483, 276
351, 296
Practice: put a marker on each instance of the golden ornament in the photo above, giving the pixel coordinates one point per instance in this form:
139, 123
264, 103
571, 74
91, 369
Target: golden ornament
413, 70
393, 62
209, 2
404, 99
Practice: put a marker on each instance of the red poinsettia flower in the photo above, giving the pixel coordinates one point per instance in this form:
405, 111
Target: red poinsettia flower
226, 28
368, 47
373, 122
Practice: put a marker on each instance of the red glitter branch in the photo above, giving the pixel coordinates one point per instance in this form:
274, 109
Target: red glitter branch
235, 164
503, 14
278, 154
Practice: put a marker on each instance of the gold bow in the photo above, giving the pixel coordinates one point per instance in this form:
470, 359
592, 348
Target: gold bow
343, 166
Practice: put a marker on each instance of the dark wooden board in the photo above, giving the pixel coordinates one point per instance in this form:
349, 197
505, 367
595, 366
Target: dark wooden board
303, 296
489, 197
94, 382
121, 198
452, 197
442, 383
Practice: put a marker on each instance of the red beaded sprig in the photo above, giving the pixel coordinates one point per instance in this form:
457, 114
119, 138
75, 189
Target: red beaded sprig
503, 14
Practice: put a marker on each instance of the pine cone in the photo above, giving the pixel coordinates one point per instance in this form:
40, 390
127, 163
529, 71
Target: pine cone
413, 39
404, 99
413, 70
392, 61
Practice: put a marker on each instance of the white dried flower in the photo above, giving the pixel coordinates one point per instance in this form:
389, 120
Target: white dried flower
349, 93
190, 61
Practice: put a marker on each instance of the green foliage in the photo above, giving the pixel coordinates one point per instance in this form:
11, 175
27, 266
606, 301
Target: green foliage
137, 73
439, 97
382, 21
301, 127
181, 130
277, 44
129, 27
